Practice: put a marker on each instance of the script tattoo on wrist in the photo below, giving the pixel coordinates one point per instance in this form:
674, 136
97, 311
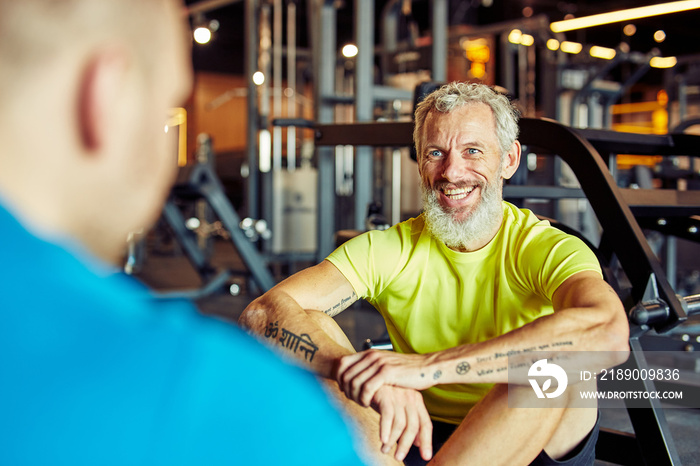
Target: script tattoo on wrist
546, 346
341, 306
292, 341
437, 374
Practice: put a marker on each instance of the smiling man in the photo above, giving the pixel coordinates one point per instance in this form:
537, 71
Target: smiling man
470, 279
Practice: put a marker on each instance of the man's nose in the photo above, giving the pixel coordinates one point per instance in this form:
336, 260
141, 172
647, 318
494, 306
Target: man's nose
453, 167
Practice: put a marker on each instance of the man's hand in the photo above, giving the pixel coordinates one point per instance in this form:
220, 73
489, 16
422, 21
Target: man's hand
404, 421
361, 375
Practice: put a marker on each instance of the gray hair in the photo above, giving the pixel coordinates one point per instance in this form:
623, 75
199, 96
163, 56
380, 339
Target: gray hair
457, 94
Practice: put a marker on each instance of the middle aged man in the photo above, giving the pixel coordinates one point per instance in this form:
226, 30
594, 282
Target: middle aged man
473, 277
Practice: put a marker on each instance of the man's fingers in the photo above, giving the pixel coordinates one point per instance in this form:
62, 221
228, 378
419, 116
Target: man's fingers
356, 386
397, 427
425, 435
344, 364
408, 435
369, 388
386, 419
354, 373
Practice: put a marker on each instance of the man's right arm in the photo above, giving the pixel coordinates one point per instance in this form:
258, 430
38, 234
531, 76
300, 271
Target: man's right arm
285, 316
291, 316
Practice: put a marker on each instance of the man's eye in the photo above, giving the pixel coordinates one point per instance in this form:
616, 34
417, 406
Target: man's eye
435, 153
473, 151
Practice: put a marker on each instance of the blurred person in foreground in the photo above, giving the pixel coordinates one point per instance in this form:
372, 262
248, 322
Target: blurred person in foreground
94, 368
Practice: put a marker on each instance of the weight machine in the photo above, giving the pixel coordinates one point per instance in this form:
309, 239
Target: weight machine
198, 183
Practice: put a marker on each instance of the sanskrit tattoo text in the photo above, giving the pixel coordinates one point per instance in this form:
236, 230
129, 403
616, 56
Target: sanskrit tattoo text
292, 341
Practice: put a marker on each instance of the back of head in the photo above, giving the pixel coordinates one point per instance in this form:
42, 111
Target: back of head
85, 87
457, 94
36, 32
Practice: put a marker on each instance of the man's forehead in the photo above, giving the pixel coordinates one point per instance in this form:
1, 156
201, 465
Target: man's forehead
471, 114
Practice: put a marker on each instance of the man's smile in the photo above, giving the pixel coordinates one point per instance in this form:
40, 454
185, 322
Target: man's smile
456, 194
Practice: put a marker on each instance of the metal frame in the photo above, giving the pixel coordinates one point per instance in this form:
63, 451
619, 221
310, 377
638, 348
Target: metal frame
200, 181
366, 95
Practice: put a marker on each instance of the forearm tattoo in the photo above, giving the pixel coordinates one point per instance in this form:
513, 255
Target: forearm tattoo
292, 341
463, 367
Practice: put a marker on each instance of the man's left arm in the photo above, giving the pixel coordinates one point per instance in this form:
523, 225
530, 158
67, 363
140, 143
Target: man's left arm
588, 316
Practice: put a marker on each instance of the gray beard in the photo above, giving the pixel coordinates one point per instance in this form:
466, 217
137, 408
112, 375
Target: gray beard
459, 234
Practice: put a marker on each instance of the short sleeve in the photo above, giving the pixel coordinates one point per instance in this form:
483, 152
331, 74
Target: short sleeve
371, 260
549, 257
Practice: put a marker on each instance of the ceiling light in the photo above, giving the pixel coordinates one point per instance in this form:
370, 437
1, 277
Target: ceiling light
515, 36
527, 40
602, 52
203, 29
258, 78
629, 30
350, 50
624, 15
659, 36
663, 62
571, 47
202, 35
553, 44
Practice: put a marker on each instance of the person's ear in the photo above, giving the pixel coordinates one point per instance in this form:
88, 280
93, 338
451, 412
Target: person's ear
101, 85
511, 160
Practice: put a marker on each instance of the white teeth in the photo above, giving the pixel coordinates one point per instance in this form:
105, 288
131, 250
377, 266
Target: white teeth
459, 193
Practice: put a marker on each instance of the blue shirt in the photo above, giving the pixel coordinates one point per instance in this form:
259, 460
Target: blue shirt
96, 370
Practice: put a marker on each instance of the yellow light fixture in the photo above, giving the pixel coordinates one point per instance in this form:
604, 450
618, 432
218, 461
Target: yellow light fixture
602, 52
515, 36
527, 40
659, 36
477, 50
663, 62
624, 15
571, 47
553, 44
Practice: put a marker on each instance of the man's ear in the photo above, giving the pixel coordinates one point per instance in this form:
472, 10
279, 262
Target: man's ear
100, 88
511, 160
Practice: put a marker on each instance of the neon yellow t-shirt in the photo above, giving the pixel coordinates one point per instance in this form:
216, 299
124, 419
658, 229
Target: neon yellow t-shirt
433, 298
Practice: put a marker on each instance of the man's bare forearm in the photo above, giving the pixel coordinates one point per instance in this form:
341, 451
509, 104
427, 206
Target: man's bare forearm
588, 317
278, 319
490, 361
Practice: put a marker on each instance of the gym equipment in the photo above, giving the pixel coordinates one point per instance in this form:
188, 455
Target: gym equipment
589, 153
199, 182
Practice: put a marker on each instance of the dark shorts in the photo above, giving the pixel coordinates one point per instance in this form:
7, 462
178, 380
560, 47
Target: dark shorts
582, 455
